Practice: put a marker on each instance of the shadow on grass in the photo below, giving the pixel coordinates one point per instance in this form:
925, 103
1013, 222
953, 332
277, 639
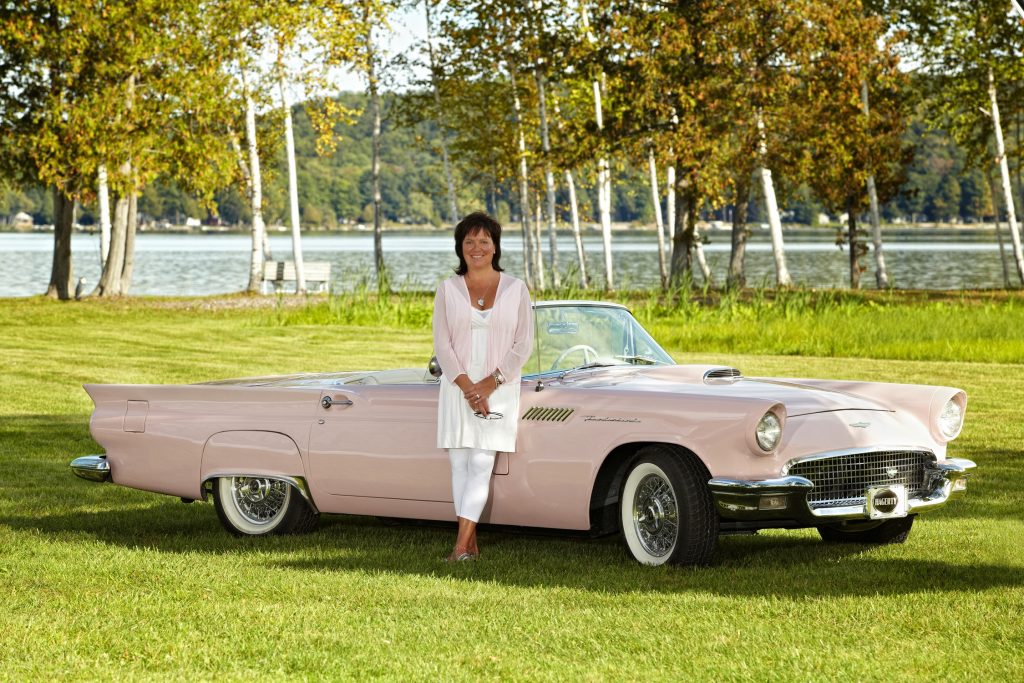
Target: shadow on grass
40, 495
793, 565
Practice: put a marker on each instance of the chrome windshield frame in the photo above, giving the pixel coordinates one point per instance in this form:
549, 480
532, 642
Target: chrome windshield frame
580, 304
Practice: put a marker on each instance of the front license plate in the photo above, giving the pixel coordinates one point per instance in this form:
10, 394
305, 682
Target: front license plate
884, 502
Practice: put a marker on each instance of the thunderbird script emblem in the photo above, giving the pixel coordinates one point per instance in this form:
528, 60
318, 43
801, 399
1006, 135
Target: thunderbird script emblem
860, 425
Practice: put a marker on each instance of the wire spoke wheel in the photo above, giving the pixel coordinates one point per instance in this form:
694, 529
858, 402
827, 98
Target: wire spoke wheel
257, 506
656, 515
259, 501
666, 511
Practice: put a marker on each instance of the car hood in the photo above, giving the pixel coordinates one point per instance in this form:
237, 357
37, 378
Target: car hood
694, 380
681, 380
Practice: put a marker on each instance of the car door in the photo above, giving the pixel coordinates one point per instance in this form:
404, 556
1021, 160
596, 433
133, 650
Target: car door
380, 442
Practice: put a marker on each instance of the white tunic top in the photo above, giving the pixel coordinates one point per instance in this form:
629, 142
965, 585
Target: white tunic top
458, 426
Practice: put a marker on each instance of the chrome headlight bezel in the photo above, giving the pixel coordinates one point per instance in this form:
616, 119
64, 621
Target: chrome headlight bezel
768, 432
951, 418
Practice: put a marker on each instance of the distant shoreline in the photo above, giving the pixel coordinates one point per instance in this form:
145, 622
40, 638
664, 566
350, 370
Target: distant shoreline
588, 230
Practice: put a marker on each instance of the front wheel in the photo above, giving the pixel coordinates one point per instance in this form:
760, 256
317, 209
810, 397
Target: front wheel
666, 511
878, 533
258, 506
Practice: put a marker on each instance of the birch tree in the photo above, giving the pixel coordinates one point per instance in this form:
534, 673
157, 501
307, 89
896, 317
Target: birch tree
435, 77
604, 182
258, 231
973, 49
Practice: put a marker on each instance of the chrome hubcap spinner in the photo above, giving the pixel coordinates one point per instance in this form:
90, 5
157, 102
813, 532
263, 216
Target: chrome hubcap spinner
655, 515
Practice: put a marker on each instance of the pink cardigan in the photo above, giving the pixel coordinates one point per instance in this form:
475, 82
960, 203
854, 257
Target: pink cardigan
510, 336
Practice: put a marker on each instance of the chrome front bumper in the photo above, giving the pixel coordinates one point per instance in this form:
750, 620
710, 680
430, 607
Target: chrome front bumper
786, 498
91, 467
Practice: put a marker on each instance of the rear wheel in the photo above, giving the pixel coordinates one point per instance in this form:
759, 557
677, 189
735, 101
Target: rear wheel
876, 532
666, 511
258, 506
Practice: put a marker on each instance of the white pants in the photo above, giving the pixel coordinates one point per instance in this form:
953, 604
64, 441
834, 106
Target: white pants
471, 480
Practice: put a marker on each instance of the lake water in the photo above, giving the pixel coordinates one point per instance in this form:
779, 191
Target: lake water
216, 264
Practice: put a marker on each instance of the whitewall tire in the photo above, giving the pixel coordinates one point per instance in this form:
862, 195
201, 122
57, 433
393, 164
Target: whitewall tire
666, 511
257, 506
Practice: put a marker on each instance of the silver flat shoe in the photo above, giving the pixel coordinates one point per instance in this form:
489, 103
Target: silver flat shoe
464, 556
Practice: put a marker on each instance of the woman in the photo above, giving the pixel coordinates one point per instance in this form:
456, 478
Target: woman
483, 332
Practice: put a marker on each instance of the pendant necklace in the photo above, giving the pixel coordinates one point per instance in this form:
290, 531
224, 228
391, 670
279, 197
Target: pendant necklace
480, 301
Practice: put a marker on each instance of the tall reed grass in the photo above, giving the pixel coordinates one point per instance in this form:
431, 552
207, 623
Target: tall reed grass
907, 325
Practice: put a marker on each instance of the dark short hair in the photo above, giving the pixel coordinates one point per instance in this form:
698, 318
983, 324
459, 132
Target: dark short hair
475, 222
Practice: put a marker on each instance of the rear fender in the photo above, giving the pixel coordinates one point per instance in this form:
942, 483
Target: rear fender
254, 454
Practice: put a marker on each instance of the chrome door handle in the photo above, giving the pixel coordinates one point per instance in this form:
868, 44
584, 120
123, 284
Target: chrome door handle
327, 402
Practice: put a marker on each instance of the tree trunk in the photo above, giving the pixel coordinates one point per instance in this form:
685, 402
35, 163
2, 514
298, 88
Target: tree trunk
680, 274
383, 286
854, 244
255, 200
782, 278
577, 236
62, 272
110, 278
103, 198
698, 249
293, 194
670, 189
604, 200
740, 232
999, 231
1004, 170
656, 201
881, 274
453, 209
524, 187
131, 226
549, 178
570, 183
670, 200
538, 253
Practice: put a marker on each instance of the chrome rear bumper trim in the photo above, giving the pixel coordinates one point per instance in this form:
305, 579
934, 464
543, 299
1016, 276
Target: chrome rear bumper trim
91, 467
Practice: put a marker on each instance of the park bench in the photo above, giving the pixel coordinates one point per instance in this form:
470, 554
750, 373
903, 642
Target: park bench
317, 273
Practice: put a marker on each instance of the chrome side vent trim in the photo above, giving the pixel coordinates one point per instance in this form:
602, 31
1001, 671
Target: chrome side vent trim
722, 376
540, 414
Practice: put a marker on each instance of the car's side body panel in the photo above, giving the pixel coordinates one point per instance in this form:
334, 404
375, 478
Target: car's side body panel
373, 449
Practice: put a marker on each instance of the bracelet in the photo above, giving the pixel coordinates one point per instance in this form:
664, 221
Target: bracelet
499, 378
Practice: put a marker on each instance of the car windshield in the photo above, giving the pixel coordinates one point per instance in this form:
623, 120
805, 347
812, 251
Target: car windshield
571, 336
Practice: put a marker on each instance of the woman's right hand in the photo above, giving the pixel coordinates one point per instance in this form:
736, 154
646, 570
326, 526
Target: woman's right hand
476, 393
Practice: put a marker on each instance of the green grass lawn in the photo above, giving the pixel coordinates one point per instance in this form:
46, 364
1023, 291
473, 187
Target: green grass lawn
99, 582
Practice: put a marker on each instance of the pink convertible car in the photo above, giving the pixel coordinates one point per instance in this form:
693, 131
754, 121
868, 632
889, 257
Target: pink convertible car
614, 437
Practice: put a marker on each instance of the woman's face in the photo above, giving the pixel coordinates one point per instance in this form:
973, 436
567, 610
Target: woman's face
478, 249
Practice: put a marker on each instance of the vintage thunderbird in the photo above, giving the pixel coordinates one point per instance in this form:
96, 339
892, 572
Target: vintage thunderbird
614, 437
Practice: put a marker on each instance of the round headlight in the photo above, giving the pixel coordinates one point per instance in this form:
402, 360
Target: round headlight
769, 431
951, 418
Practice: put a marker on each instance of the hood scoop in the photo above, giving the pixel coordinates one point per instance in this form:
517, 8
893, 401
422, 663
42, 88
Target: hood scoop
722, 376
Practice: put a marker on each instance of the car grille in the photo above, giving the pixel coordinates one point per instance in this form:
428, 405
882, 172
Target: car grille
842, 480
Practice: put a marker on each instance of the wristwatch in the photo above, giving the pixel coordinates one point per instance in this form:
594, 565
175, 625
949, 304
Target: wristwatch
499, 378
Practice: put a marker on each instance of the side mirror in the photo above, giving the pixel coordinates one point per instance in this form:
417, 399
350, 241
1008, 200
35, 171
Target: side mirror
434, 368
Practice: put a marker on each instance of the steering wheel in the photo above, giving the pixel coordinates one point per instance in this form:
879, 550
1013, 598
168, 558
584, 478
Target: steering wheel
588, 352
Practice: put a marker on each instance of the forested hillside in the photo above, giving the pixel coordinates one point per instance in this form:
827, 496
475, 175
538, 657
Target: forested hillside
335, 190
